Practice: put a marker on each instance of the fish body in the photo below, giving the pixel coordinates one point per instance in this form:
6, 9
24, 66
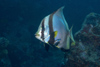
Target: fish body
54, 31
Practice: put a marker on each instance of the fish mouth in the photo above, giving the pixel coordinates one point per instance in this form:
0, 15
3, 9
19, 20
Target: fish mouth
37, 36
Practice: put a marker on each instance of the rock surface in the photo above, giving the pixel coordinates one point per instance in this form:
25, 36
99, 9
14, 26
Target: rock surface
86, 52
4, 59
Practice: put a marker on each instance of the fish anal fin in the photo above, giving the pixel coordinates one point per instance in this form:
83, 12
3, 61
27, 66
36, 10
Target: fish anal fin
46, 46
65, 50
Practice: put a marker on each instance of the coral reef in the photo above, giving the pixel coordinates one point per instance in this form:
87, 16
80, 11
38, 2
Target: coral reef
86, 53
22, 52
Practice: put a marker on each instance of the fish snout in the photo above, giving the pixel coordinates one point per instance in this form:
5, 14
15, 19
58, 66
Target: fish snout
37, 35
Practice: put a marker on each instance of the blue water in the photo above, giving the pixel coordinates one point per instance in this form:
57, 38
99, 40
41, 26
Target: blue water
19, 20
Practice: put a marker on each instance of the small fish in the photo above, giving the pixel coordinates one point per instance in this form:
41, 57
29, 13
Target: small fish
54, 31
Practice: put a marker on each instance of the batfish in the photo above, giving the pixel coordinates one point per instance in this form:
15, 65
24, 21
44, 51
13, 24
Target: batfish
54, 31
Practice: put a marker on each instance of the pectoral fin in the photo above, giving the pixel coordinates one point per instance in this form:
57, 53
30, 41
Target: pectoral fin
46, 46
55, 33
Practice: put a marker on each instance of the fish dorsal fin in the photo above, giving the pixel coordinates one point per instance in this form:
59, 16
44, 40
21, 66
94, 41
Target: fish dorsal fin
60, 14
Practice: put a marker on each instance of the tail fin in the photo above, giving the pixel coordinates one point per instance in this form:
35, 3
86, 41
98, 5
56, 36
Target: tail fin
68, 45
71, 36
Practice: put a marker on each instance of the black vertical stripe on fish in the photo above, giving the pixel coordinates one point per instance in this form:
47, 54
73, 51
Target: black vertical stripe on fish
51, 32
42, 32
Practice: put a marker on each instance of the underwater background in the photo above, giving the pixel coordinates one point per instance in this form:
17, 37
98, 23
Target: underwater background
19, 20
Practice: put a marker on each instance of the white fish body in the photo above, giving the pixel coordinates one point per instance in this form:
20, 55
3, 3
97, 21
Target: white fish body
54, 30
